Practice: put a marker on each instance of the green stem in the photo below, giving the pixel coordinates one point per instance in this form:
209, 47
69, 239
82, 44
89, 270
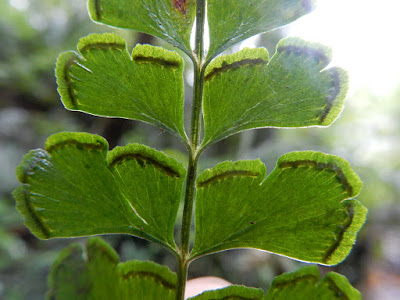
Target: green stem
190, 192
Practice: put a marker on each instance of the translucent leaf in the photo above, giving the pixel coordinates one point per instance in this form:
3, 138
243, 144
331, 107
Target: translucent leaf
171, 20
105, 80
301, 210
306, 284
233, 21
76, 188
98, 275
245, 90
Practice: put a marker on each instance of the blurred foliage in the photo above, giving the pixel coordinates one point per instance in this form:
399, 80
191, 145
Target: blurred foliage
34, 32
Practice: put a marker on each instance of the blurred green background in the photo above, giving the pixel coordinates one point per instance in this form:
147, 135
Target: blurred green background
34, 32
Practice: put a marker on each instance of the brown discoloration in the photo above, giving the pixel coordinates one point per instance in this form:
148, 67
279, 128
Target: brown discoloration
235, 65
180, 5
228, 174
156, 60
143, 160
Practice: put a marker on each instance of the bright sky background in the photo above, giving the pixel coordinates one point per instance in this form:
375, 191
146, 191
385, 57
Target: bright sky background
364, 36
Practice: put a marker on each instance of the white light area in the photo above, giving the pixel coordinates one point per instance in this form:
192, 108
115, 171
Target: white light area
364, 38
19, 4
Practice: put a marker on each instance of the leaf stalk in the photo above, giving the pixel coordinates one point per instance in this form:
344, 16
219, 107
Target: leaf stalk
197, 59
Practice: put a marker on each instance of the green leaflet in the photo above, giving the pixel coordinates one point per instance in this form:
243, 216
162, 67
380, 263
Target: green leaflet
106, 81
233, 292
300, 210
244, 90
75, 188
100, 276
305, 284
233, 21
171, 20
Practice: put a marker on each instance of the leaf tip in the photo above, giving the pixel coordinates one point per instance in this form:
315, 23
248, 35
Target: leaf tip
157, 55
64, 81
344, 174
96, 246
335, 95
95, 10
144, 155
320, 54
346, 232
244, 58
29, 212
101, 41
80, 140
229, 169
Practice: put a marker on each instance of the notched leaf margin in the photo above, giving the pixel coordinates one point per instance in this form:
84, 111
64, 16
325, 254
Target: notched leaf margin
346, 177
84, 141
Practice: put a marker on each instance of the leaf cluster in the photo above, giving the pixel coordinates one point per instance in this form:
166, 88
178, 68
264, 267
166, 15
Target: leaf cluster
304, 209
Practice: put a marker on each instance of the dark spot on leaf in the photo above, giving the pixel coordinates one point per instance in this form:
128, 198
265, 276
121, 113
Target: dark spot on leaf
143, 160
222, 176
156, 60
235, 65
251, 222
180, 5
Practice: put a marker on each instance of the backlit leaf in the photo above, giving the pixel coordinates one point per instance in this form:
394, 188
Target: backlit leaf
171, 20
75, 188
232, 21
302, 210
105, 80
306, 284
245, 90
98, 275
